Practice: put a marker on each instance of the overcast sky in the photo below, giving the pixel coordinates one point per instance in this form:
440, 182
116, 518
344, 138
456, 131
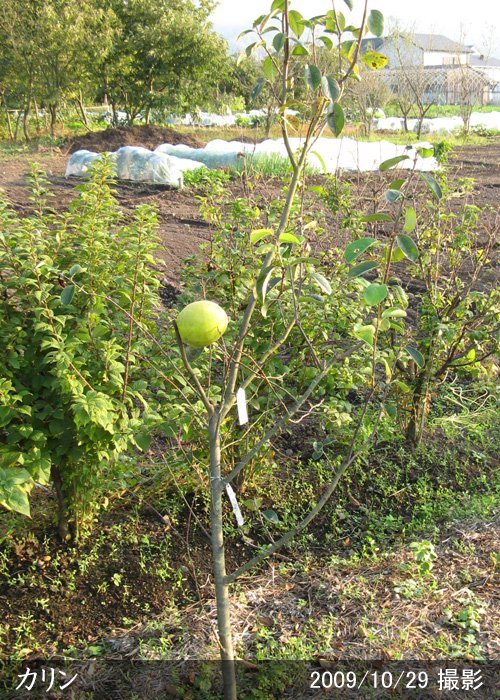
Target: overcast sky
476, 22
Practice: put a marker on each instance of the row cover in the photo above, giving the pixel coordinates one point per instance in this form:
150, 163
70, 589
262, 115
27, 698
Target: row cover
167, 162
489, 120
327, 153
135, 163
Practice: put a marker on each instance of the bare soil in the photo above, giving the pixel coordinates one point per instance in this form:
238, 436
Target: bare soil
182, 228
148, 136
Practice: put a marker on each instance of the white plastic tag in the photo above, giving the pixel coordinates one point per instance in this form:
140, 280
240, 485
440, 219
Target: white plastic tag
234, 503
241, 403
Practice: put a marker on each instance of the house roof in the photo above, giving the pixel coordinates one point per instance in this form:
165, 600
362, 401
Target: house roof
427, 42
439, 42
484, 62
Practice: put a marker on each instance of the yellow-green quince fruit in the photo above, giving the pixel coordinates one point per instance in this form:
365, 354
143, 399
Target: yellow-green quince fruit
201, 323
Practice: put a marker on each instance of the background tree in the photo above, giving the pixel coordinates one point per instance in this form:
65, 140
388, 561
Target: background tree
369, 94
70, 36
413, 80
19, 26
165, 56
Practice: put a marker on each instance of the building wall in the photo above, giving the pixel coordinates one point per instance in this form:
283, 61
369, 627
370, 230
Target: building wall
444, 58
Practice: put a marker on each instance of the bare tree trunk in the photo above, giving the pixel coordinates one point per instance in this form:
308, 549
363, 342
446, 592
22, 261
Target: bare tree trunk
37, 119
269, 121
81, 107
415, 429
18, 120
25, 119
53, 119
221, 587
419, 125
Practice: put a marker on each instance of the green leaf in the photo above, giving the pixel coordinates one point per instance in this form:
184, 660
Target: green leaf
394, 312
347, 48
288, 237
391, 409
278, 41
416, 356
8, 459
143, 441
336, 119
361, 268
410, 220
330, 87
327, 42
313, 76
252, 504
365, 333
380, 216
349, 4
425, 152
374, 294
257, 89
397, 183
247, 52
260, 19
323, 165
391, 162
401, 294
269, 68
392, 195
374, 59
259, 233
271, 515
300, 50
408, 246
402, 386
75, 270
296, 21
262, 283
432, 185
278, 5
335, 22
67, 294
376, 22
322, 282
18, 501
355, 248
16, 477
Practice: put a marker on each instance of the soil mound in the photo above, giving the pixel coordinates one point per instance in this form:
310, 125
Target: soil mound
147, 136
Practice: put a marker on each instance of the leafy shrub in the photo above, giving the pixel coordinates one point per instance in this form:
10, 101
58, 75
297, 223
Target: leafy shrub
204, 177
441, 151
70, 397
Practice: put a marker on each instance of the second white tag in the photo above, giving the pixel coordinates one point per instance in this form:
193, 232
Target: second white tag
241, 403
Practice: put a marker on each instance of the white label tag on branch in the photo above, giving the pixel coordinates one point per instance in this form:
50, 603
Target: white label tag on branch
236, 509
241, 403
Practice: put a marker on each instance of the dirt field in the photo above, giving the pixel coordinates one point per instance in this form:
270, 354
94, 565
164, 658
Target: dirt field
58, 602
182, 229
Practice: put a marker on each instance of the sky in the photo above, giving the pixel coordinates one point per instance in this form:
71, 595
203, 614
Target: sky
471, 21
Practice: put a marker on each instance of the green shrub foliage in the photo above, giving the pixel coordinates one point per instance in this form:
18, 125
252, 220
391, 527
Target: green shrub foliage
70, 400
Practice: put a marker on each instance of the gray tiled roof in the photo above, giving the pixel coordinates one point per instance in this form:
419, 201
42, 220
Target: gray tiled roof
484, 61
438, 42
428, 42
